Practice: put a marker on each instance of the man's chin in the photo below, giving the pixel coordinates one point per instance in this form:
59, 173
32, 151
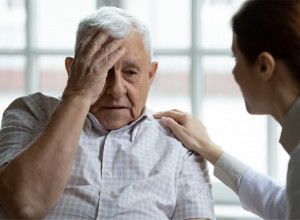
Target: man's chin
114, 122
113, 126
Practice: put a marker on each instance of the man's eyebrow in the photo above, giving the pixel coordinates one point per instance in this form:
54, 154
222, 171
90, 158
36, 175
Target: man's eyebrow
131, 63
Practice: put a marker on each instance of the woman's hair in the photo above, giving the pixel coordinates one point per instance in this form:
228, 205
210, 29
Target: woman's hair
272, 26
119, 23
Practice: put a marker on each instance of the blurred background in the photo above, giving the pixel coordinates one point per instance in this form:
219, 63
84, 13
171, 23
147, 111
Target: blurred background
192, 43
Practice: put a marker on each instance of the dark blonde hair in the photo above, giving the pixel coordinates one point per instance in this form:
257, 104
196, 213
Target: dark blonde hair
272, 26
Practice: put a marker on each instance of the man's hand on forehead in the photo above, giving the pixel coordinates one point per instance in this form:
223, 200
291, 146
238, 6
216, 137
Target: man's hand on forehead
95, 55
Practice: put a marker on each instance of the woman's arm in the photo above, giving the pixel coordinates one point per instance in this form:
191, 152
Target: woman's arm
258, 193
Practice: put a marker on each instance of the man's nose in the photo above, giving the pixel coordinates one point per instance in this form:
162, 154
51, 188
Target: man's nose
115, 84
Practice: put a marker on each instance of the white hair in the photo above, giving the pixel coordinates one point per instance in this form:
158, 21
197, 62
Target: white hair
118, 22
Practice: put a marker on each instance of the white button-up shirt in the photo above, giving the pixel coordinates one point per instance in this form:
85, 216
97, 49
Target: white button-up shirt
259, 193
137, 172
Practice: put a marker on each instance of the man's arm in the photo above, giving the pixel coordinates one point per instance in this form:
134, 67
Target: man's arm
32, 182
198, 219
194, 196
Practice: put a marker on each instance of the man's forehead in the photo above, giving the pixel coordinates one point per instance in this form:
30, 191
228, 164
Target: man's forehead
126, 62
130, 62
136, 52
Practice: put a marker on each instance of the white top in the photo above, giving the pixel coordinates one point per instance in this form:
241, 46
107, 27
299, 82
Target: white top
260, 194
137, 172
257, 192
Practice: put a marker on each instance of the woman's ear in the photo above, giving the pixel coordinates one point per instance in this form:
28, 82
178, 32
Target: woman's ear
68, 62
266, 65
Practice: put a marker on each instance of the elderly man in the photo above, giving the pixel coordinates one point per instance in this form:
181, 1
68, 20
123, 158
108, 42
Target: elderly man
97, 152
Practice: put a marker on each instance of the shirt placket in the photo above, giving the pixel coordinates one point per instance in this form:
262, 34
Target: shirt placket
106, 198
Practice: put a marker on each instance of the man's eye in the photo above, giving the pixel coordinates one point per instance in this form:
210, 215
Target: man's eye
130, 72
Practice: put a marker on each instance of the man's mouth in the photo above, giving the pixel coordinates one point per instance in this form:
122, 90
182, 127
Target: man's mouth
117, 107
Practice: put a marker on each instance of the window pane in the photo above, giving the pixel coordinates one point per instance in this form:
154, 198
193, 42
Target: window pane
168, 21
171, 86
238, 133
12, 80
244, 136
12, 24
215, 22
53, 75
218, 76
57, 21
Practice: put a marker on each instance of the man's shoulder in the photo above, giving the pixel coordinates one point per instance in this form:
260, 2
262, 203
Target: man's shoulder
40, 96
161, 131
37, 100
37, 104
158, 125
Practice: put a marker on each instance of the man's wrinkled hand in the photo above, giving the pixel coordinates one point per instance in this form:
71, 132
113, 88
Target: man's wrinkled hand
94, 57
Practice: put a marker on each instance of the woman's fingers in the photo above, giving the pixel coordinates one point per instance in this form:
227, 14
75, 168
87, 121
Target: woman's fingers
164, 112
191, 132
178, 130
174, 114
172, 124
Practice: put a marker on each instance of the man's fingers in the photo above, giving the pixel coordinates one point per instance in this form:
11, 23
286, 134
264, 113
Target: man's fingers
108, 50
109, 61
86, 40
96, 44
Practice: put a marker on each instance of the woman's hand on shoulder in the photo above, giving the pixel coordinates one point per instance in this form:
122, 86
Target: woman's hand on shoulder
191, 132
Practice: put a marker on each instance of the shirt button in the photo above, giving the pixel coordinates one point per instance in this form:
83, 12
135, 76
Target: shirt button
107, 173
108, 193
111, 134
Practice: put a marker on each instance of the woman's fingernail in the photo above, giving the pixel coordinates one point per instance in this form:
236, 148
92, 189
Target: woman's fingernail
164, 120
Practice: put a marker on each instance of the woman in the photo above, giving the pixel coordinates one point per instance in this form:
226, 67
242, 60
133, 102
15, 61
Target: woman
266, 44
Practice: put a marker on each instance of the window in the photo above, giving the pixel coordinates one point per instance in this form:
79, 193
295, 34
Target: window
35, 38
191, 40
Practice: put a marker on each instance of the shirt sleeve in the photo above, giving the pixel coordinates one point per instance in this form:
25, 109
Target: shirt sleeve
22, 122
230, 171
262, 196
293, 185
194, 196
257, 192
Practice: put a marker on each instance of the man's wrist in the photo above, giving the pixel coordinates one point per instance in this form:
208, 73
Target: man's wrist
77, 102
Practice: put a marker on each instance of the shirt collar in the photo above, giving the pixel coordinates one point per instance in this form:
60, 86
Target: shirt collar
291, 126
91, 121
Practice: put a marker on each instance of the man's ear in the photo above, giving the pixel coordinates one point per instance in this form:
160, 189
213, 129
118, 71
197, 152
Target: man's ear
152, 71
265, 65
68, 62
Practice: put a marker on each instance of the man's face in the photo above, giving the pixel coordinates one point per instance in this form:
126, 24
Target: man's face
127, 85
